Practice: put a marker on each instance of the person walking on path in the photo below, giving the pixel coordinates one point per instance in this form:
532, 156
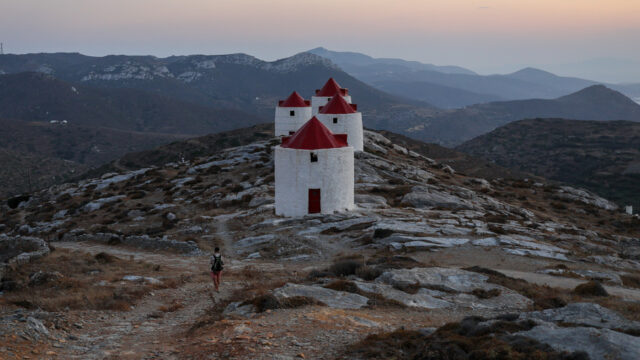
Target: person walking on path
216, 268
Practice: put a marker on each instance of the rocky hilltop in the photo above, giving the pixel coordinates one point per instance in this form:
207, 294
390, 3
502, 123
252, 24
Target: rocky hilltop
431, 262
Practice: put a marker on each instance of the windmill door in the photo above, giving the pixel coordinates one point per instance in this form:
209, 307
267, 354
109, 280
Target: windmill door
314, 201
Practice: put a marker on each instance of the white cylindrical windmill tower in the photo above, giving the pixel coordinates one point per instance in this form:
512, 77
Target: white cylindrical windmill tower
343, 118
291, 114
314, 172
325, 94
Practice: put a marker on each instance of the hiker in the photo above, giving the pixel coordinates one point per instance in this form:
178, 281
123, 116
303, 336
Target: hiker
216, 267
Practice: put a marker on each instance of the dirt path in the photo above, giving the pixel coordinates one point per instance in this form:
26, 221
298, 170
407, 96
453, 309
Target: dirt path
568, 283
222, 231
148, 330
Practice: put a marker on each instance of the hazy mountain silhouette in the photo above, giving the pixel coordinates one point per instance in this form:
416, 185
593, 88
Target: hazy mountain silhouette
593, 103
450, 87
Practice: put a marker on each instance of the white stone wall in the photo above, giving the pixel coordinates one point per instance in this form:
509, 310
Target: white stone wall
317, 101
286, 123
350, 124
295, 174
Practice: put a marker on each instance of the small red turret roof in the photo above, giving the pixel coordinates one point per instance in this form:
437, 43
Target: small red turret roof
313, 136
331, 88
294, 100
337, 105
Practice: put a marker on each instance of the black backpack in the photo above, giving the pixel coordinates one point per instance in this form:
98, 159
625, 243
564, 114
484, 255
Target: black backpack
217, 263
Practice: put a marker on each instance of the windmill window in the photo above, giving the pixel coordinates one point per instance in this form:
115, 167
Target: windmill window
292, 113
314, 157
335, 120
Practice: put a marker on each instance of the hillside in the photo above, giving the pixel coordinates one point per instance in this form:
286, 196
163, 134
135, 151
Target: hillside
26, 171
191, 149
456, 126
54, 153
119, 265
40, 97
184, 150
601, 156
461, 161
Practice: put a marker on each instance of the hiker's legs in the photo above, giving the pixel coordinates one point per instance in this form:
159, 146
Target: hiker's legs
216, 279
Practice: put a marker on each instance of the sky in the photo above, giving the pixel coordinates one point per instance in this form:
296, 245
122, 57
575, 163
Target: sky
597, 39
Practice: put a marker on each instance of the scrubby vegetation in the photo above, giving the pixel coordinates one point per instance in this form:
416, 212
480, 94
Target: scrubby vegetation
467, 339
69, 280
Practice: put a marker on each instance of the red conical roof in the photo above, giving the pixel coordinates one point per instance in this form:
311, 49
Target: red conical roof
313, 136
331, 88
294, 100
337, 105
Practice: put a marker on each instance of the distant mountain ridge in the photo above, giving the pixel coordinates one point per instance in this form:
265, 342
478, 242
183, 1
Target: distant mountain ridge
603, 156
351, 60
232, 81
463, 88
456, 126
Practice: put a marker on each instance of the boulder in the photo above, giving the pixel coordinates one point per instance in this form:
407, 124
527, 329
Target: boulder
422, 299
236, 309
331, 298
429, 197
371, 201
142, 279
455, 280
573, 194
586, 314
600, 344
454, 286
35, 329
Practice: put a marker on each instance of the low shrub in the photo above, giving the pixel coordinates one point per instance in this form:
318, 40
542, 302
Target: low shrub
630, 280
591, 288
486, 294
368, 272
345, 267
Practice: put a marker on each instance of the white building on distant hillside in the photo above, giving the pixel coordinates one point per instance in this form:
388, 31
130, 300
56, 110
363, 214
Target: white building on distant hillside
291, 114
314, 172
324, 95
343, 118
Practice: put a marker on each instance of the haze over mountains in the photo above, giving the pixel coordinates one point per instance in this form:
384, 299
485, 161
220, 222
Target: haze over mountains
463, 87
452, 127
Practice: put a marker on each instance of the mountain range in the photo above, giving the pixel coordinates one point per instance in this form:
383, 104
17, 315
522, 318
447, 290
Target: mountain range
232, 81
462, 87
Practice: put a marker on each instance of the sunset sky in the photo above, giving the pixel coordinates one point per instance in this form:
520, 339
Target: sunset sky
484, 35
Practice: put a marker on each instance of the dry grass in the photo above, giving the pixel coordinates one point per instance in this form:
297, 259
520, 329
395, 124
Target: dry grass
87, 282
463, 340
631, 281
174, 306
